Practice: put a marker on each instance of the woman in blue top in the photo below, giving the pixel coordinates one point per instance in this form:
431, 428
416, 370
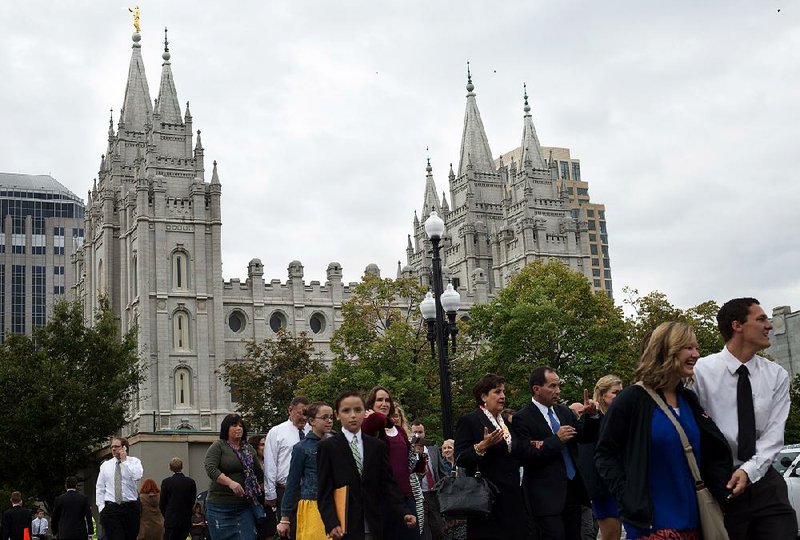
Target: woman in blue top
639, 454
301, 485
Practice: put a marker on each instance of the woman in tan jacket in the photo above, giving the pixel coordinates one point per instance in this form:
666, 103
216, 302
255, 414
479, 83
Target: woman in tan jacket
151, 526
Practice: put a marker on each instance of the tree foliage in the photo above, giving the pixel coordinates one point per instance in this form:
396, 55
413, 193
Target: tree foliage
546, 315
382, 340
63, 392
654, 308
268, 376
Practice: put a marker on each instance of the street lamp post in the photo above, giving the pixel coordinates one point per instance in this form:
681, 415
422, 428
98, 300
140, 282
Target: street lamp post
433, 309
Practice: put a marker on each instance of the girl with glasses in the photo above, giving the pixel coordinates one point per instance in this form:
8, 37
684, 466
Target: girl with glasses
301, 485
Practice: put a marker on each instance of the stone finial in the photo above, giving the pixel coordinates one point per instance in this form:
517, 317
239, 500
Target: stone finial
470, 86
428, 167
255, 268
165, 55
214, 175
372, 269
334, 271
295, 270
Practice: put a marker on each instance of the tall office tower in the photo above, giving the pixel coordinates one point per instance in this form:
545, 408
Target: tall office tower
41, 226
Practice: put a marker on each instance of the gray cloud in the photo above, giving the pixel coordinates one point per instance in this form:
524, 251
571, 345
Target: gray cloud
684, 116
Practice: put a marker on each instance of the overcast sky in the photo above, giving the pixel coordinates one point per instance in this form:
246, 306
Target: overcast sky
684, 115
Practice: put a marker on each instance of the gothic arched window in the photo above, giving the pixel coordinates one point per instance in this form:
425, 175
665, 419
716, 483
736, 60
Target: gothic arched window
183, 387
180, 270
180, 331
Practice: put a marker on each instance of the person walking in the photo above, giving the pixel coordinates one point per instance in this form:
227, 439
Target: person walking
232, 505
177, 500
151, 524
639, 453
748, 397
483, 444
72, 515
16, 520
117, 493
300, 497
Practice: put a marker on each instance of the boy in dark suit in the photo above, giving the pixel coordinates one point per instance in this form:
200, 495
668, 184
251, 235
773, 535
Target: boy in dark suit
72, 516
362, 464
176, 502
545, 436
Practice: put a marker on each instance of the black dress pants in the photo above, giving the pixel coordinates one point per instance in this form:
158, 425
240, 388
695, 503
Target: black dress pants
762, 512
120, 521
567, 524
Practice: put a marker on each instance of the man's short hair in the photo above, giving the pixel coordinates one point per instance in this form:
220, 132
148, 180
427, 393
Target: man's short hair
16, 497
418, 422
299, 400
538, 376
71, 482
176, 464
123, 441
733, 310
346, 394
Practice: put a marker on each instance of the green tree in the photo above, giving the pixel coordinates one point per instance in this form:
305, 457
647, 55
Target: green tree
63, 392
546, 315
382, 340
266, 379
654, 308
791, 434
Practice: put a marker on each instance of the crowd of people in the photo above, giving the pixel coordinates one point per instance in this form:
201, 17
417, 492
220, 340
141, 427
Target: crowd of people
619, 452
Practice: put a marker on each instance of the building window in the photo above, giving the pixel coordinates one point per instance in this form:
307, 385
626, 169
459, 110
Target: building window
607, 274
58, 270
101, 279
602, 214
134, 278
603, 227
58, 289
583, 191
564, 170
237, 321
592, 225
595, 262
597, 283
592, 238
589, 213
277, 322
576, 171
183, 387
37, 296
18, 298
180, 270
317, 323
593, 247
608, 286
180, 331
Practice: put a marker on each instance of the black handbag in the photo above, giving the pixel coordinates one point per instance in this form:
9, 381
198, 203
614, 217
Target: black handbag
461, 496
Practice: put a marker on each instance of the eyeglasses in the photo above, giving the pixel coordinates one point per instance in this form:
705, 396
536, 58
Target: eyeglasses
327, 417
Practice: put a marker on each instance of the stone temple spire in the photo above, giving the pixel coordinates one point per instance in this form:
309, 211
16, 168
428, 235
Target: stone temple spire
431, 201
474, 144
169, 108
137, 109
531, 149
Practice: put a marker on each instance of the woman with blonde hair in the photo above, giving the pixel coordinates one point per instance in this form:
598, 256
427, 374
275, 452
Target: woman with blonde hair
604, 507
639, 453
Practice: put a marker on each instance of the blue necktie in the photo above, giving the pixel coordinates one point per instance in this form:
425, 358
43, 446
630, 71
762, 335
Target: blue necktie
564, 452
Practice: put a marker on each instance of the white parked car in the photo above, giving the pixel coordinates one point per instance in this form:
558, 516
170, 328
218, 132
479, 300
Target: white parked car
792, 477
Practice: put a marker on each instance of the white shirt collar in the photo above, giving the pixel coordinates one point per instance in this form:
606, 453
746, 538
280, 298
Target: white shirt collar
349, 435
542, 408
732, 363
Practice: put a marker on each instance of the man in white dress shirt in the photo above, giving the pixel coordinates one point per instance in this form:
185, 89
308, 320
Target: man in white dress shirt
39, 525
278, 453
748, 398
117, 493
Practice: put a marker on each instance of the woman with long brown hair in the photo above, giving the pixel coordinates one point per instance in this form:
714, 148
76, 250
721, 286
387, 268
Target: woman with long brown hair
639, 454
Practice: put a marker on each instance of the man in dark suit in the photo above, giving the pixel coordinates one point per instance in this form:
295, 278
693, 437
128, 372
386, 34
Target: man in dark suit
72, 515
15, 520
361, 463
433, 525
544, 438
176, 502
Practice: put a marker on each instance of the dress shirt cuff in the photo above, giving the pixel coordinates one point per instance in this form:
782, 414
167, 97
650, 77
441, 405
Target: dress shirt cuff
752, 471
270, 495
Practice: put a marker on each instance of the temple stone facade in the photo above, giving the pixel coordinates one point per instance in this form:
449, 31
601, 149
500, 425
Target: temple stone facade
504, 214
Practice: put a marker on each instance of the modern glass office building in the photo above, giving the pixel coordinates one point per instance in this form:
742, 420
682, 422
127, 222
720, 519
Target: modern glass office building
41, 226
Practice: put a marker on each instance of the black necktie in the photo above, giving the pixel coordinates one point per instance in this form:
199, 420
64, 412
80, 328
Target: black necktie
303, 433
746, 415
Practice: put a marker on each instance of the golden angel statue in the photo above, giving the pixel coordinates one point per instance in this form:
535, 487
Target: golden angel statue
135, 12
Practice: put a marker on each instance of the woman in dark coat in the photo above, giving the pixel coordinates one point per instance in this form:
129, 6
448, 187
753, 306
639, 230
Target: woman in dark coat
483, 443
639, 454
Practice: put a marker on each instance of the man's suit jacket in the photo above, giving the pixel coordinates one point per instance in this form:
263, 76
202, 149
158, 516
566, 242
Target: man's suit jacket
539, 451
435, 460
15, 520
369, 493
177, 500
72, 517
